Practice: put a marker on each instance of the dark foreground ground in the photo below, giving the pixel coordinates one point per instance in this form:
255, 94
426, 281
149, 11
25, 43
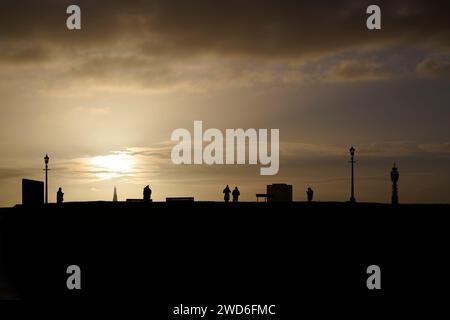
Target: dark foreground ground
298, 256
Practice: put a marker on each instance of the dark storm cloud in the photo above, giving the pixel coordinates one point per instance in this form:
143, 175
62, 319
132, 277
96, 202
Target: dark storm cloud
258, 28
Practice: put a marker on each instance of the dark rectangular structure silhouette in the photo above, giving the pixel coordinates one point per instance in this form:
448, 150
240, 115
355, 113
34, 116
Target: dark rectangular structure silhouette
180, 199
32, 192
279, 192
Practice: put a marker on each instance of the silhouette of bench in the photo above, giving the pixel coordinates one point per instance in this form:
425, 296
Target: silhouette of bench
136, 200
180, 199
263, 195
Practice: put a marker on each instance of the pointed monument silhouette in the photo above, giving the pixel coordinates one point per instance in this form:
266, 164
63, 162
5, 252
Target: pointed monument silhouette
115, 195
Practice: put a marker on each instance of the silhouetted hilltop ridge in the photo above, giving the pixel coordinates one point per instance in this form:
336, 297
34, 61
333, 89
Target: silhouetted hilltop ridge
167, 249
216, 204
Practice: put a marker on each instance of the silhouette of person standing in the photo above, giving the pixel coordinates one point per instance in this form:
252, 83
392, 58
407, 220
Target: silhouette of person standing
59, 196
226, 192
236, 194
309, 194
147, 194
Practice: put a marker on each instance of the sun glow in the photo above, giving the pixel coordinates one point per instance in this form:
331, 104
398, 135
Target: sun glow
113, 165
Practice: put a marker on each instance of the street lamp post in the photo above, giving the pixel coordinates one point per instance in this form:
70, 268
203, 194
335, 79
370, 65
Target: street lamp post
352, 161
394, 178
46, 158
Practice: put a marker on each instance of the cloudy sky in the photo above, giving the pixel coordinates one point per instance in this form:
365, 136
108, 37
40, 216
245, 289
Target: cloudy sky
103, 101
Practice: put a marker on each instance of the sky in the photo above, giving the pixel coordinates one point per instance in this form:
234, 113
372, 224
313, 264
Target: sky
103, 101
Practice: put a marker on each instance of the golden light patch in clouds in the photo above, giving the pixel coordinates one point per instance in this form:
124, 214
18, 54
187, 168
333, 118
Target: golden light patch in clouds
434, 67
353, 70
112, 166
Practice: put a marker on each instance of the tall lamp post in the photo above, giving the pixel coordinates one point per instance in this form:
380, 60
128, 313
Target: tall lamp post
352, 161
46, 158
394, 178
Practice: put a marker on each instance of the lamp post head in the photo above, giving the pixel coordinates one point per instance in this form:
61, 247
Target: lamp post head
46, 158
352, 151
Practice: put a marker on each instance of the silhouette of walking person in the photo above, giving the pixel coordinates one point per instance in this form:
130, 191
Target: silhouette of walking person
59, 196
147, 194
226, 192
236, 194
309, 194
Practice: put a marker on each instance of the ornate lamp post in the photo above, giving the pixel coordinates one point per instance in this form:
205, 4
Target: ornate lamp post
46, 159
394, 178
352, 161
